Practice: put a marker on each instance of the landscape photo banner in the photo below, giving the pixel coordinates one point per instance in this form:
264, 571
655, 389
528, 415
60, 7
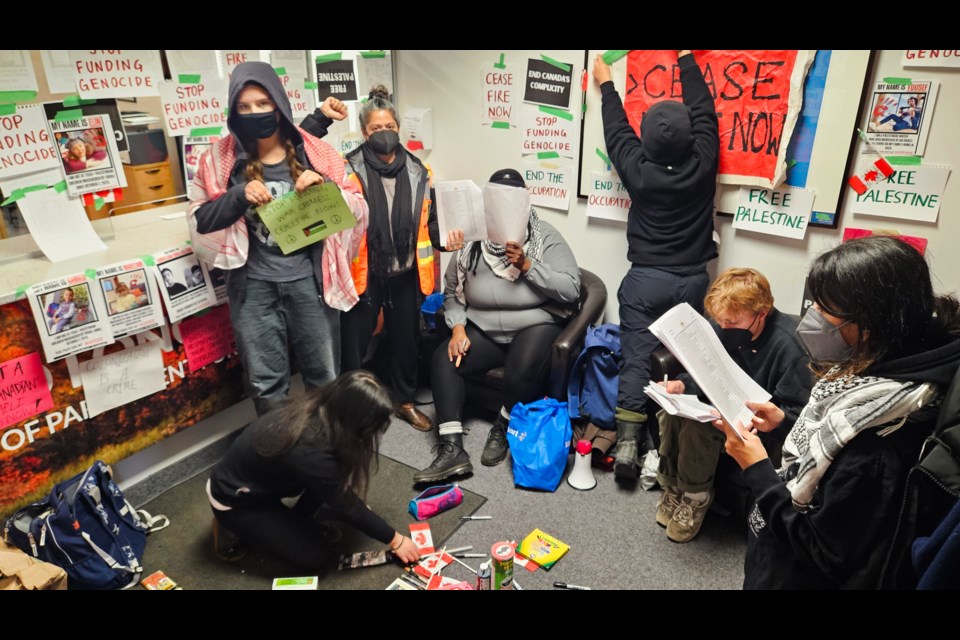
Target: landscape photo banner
758, 96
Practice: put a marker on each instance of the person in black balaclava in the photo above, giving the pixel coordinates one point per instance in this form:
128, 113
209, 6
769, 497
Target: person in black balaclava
670, 173
761, 341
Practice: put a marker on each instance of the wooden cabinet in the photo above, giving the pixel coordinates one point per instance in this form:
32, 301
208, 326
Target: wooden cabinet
146, 184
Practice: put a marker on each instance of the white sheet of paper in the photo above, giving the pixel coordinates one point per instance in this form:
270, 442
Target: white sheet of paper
507, 210
418, 126
230, 58
188, 106
59, 71
16, 71
608, 197
137, 310
498, 94
59, 225
374, 71
124, 73
460, 206
547, 130
911, 193
693, 341
25, 145
188, 290
549, 185
781, 212
293, 60
676, 404
206, 62
114, 380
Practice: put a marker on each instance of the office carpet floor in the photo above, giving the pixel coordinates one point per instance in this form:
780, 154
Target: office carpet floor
615, 542
184, 550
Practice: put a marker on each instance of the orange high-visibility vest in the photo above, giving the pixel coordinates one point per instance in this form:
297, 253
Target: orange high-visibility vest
425, 268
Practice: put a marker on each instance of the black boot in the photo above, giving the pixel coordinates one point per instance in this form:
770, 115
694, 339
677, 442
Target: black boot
495, 451
451, 460
626, 465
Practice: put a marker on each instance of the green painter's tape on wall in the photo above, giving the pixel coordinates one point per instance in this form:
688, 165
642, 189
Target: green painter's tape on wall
501, 64
21, 291
908, 161
560, 113
373, 54
556, 63
901, 81
18, 96
60, 187
309, 84
8, 109
604, 157
613, 55
148, 260
189, 78
500, 125
68, 114
329, 57
206, 131
91, 274
76, 101
547, 155
281, 71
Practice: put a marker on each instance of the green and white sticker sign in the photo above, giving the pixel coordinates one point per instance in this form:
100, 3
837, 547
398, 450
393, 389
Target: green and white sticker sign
298, 220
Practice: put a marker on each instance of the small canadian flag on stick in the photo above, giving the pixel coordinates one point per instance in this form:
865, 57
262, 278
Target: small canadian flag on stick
877, 171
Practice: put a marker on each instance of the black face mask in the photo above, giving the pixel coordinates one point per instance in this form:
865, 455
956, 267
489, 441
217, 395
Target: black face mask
384, 142
735, 339
258, 125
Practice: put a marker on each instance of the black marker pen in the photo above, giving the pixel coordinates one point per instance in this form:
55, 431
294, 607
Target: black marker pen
575, 587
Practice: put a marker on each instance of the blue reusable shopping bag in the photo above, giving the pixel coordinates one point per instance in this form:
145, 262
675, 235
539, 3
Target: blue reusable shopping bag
539, 435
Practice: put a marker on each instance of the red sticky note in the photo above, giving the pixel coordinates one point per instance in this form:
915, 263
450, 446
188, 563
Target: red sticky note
208, 338
918, 243
23, 389
414, 145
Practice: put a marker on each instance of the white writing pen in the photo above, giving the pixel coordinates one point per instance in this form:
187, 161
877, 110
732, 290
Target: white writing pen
476, 517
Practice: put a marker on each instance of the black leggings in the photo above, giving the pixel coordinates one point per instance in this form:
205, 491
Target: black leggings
525, 360
292, 534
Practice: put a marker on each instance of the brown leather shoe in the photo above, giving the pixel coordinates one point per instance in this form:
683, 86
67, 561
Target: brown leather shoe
417, 420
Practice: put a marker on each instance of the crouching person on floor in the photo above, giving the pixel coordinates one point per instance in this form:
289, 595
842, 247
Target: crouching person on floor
762, 342
318, 447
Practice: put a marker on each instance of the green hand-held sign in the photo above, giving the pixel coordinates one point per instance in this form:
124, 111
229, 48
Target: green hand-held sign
298, 220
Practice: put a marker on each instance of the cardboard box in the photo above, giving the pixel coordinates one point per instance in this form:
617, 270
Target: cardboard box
20, 572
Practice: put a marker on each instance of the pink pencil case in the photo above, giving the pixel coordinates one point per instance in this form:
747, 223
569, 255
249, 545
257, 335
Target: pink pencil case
435, 500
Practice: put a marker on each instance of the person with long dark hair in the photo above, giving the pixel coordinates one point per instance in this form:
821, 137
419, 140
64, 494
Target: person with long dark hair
885, 349
320, 448
279, 303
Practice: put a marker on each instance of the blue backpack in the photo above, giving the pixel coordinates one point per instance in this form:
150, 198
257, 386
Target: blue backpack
592, 390
88, 528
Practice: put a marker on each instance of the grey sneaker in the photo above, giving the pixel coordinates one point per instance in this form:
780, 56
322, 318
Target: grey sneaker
667, 506
687, 519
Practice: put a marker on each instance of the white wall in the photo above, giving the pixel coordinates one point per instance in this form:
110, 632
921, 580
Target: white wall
449, 83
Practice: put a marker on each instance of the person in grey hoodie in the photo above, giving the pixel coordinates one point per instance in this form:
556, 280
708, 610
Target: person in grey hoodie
503, 306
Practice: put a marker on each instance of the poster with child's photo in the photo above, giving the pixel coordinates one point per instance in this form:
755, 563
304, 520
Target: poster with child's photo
899, 117
193, 148
70, 317
88, 151
183, 282
131, 297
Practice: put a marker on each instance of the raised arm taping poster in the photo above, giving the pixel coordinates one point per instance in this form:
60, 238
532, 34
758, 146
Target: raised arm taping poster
758, 95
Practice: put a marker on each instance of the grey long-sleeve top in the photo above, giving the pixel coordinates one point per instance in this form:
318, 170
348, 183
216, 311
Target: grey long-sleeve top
502, 308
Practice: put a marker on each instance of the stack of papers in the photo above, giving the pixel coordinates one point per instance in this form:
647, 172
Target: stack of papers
682, 405
690, 338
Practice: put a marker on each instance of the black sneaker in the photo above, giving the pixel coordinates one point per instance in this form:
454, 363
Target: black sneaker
226, 545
